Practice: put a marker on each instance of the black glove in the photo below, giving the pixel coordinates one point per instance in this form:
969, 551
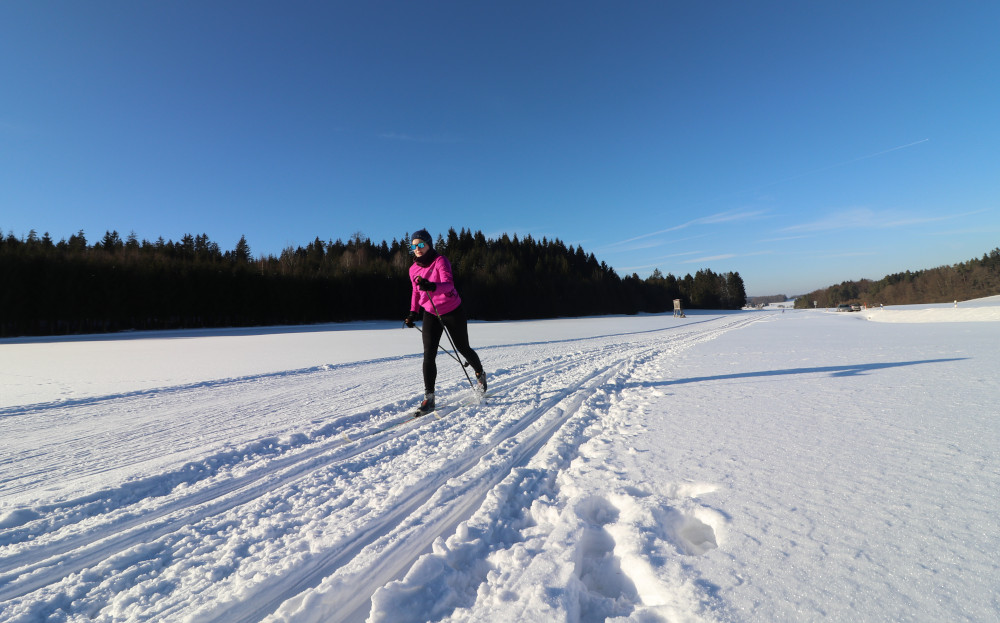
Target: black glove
426, 286
410, 319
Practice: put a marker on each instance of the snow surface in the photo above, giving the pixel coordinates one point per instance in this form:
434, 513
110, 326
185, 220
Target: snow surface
751, 466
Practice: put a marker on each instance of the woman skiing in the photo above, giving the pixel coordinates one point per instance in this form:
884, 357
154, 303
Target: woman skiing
435, 298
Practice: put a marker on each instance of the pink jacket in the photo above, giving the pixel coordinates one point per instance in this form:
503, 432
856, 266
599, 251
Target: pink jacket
444, 297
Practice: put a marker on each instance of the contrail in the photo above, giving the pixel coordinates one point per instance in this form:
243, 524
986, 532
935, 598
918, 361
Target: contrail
846, 162
893, 149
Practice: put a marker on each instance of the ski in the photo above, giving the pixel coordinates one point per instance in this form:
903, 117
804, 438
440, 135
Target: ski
441, 410
421, 413
416, 415
437, 412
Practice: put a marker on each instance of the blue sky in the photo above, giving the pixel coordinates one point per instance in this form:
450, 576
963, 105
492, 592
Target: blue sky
799, 143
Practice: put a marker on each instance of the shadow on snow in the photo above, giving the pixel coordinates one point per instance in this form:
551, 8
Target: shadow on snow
852, 370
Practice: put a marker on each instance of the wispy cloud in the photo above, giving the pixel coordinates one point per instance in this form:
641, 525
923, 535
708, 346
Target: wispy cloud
782, 239
711, 258
729, 217
864, 218
714, 219
850, 254
845, 162
702, 259
726, 256
665, 257
642, 245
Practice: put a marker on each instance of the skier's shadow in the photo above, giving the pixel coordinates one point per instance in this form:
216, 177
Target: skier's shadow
836, 371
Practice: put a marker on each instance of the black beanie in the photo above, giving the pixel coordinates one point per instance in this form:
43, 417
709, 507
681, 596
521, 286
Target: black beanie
423, 234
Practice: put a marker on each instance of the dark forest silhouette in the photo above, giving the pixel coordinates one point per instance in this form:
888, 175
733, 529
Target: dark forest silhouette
72, 286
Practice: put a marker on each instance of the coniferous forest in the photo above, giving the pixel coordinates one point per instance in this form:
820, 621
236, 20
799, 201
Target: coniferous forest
976, 278
74, 286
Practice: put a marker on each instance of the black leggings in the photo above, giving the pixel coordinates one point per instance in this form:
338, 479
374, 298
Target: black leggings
459, 330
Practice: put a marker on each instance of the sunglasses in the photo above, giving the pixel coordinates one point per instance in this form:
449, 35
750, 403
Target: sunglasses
419, 245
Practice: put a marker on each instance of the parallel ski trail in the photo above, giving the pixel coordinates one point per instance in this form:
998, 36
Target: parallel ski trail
485, 444
339, 444
82, 550
434, 513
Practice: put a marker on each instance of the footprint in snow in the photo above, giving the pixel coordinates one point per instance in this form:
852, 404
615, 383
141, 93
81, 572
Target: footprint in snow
609, 591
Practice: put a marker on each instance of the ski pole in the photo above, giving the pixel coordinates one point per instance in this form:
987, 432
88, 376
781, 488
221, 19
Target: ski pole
452, 342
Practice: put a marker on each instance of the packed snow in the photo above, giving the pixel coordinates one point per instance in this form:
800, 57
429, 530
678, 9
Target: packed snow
776, 465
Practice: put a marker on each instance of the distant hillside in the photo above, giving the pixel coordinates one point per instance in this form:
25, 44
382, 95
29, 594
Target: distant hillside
973, 279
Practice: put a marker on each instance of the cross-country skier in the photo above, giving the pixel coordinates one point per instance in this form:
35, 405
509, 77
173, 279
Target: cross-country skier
436, 300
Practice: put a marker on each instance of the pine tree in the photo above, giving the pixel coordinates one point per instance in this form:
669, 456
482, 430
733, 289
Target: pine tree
242, 252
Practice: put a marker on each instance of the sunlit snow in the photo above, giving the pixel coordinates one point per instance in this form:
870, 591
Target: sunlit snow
774, 465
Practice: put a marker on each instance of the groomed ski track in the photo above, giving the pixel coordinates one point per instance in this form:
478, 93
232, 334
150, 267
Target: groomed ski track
306, 520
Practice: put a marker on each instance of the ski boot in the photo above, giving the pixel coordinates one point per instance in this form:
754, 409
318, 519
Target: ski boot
426, 406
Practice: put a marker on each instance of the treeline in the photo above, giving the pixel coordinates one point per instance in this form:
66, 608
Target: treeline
973, 279
115, 284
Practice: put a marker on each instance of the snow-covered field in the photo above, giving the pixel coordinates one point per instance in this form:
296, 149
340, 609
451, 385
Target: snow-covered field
752, 466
